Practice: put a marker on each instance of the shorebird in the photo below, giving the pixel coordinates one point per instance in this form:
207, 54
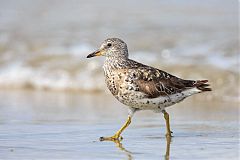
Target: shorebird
142, 87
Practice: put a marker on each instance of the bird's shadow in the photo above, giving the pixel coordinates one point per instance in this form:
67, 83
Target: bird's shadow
130, 154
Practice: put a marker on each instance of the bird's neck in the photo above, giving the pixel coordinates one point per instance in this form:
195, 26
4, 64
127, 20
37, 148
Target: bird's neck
112, 63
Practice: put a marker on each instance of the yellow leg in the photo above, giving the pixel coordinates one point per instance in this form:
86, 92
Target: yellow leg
116, 136
166, 116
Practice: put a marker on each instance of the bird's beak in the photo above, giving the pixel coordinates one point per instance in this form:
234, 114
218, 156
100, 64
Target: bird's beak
96, 53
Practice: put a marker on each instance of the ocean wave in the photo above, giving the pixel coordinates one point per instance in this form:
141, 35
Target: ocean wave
66, 68
54, 68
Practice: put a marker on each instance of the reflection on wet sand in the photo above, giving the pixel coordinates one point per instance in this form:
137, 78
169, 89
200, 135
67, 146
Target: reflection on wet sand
168, 141
124, 150
129, 154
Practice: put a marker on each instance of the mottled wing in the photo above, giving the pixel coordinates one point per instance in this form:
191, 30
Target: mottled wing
154, 82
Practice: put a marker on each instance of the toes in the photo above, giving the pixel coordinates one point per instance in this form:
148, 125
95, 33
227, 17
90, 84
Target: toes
113, 138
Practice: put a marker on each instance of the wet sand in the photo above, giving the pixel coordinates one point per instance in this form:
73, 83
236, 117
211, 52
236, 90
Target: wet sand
58, 125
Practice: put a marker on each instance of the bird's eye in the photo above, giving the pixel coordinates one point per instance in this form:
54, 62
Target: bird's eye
109, 44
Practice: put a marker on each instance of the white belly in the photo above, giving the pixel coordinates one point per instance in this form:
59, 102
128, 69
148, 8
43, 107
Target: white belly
156, 104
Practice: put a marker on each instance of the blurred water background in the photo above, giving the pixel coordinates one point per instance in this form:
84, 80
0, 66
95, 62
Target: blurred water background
43, 44
46, 80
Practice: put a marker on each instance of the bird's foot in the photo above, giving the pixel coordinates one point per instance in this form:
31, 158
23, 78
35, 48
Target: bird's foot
112, 138
169, 134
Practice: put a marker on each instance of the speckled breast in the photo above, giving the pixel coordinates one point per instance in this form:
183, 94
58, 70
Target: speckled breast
121, 84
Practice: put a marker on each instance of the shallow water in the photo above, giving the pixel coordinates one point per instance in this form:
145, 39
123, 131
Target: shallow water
53, 125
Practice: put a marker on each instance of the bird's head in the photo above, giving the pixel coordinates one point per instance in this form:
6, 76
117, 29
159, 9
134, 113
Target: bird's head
111, 47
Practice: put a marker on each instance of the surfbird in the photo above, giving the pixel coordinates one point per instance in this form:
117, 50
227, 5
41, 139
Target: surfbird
142, 87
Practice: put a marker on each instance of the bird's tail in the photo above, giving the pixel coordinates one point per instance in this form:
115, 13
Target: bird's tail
202, 85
